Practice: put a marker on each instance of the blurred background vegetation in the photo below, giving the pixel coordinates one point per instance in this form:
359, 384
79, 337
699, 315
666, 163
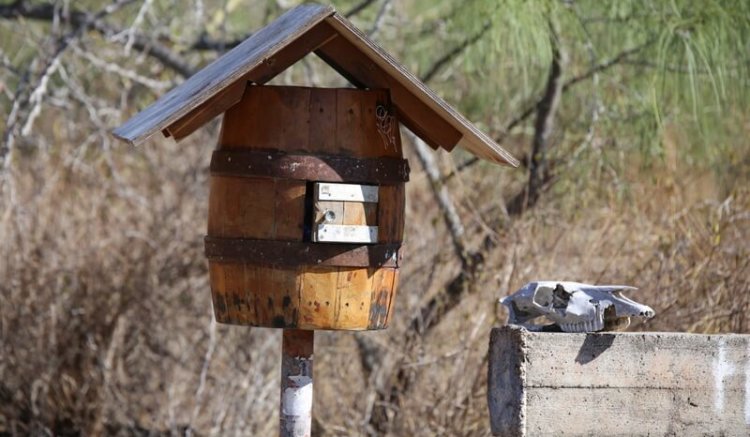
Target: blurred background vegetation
631, 119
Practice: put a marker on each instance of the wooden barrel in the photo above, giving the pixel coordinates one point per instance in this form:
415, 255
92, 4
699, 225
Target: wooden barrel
280, 150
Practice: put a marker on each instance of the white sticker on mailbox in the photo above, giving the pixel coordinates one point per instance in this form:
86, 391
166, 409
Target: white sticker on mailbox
346, 234
346, 192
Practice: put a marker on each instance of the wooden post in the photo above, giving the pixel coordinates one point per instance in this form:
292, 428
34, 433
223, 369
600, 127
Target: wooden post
296, 383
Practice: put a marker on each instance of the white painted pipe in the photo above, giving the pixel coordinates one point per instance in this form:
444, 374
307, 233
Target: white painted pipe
296, 383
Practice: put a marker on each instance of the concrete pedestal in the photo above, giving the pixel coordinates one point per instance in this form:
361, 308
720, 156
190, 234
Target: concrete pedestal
618, 383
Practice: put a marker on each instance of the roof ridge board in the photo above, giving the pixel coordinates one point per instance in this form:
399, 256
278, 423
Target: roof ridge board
165, 111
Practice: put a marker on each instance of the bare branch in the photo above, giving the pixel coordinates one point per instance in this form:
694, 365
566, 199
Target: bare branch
136, 23
619, 59
35, 96
206, 43
546, 111
379, 18
361, 6
82, 21
453, 53
443, 197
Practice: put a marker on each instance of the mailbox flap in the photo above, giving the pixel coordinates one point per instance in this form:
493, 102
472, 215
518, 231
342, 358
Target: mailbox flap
345, 213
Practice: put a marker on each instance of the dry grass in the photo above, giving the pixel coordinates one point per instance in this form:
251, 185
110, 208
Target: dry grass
105, 317
106, 325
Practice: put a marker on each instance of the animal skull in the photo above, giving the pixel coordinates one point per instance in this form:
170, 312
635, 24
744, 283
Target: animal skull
573, 306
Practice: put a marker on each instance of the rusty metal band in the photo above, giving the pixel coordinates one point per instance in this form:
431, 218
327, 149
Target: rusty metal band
295, 253
324, 168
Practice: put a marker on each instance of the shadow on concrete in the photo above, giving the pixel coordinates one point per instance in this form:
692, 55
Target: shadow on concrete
593, 347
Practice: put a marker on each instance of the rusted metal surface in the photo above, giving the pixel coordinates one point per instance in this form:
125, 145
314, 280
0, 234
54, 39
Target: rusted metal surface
295, 415
296, 253
309, 167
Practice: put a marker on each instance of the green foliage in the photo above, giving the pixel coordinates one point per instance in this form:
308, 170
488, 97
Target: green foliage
688, 69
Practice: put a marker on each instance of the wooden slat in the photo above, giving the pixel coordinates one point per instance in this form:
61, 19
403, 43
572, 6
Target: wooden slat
356, 213
241, 207
390, 213
322, 128
218, 292
382, 294
349, 135
392, 297
206, 111
234, 281
355, 66
319, 298
221, 73
289, 210
354, 298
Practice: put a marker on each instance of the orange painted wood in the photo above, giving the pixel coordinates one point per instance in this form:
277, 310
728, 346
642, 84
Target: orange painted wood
315, 121
319, 303
353, 304
391, 298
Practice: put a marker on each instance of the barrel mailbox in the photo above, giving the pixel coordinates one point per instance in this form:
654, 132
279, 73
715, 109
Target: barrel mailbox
306, 203
306, 209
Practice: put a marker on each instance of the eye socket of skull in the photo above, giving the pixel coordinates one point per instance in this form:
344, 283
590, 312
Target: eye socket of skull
543, 297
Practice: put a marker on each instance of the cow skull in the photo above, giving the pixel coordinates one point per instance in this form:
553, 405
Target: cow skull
573, 306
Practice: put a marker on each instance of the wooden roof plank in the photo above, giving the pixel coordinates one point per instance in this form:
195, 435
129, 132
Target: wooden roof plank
207, 110
222, 72
475, 140
269, 51
267, 70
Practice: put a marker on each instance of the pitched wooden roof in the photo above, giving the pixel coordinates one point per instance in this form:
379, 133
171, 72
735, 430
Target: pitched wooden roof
268, 52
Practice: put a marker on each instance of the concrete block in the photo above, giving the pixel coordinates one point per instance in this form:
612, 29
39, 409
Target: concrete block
618, 384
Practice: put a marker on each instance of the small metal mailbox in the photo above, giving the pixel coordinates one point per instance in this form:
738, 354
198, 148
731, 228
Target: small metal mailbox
346, 213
